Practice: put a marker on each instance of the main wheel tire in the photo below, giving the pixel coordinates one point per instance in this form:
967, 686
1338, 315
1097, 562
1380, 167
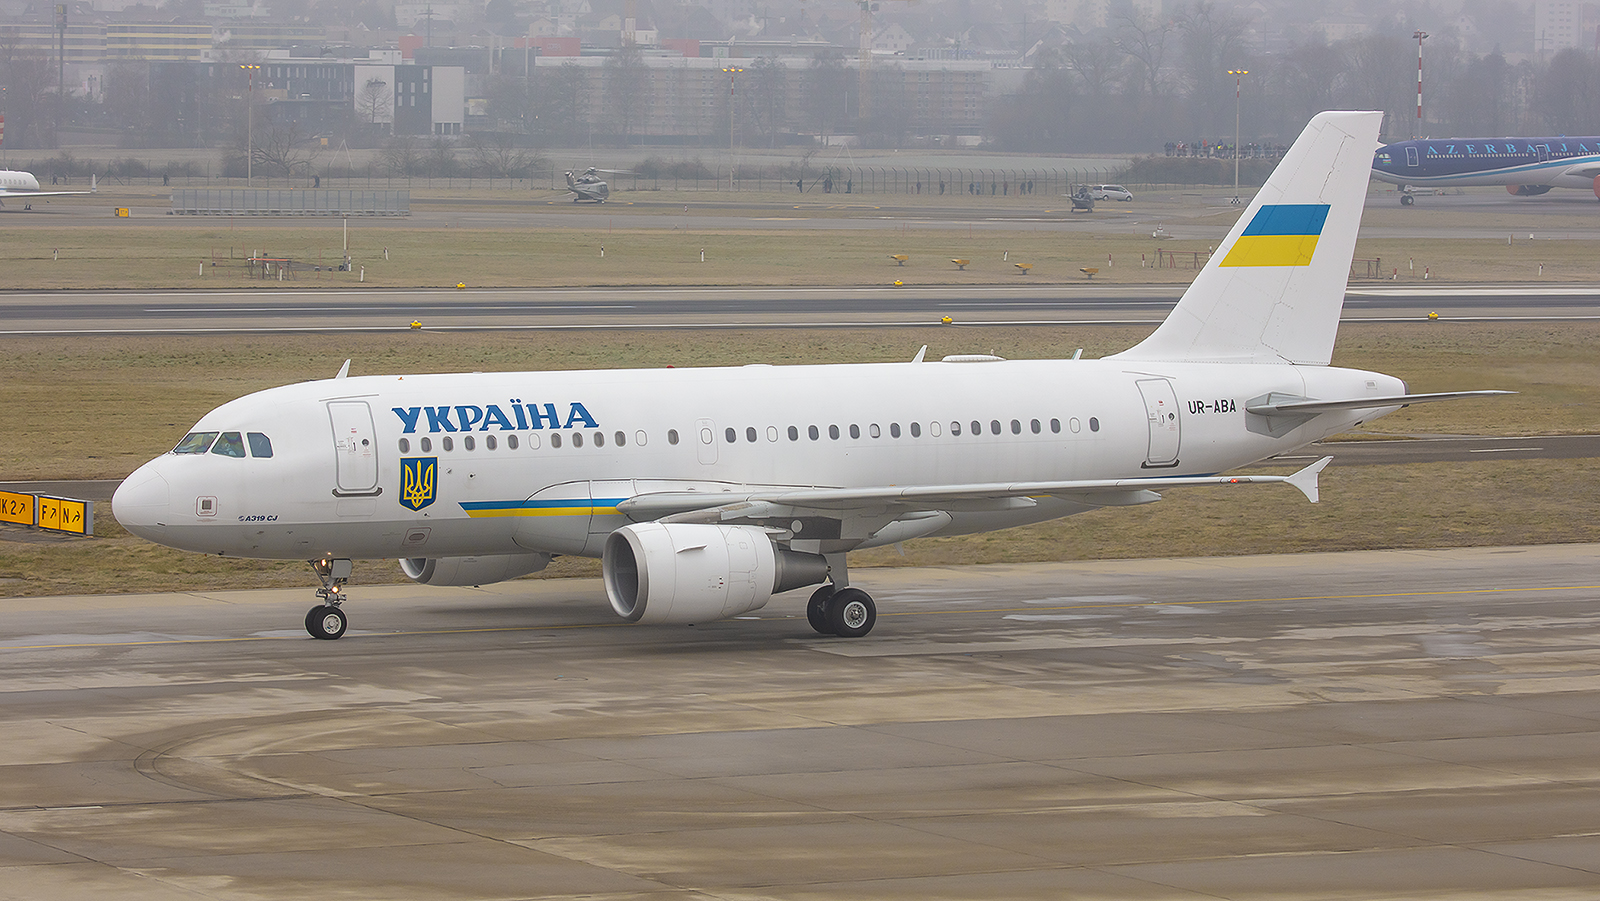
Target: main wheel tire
1407, 200
326, 622
851, 613
817, 610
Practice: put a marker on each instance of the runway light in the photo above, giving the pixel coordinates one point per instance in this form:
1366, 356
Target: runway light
899, 284
1433, 316
416, 323
461, 286
946, 320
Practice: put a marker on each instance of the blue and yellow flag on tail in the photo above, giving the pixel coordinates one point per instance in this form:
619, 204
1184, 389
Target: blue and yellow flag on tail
1280, 235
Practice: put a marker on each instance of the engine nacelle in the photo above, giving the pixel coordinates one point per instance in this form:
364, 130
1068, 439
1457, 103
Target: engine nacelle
472, 570
1527, 190
695, 573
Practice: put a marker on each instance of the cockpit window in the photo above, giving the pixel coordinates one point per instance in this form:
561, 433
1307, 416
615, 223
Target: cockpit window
260, 445
229, 445
195, 443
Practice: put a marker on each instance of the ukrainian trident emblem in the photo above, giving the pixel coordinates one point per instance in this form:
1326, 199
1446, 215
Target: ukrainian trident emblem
417, 478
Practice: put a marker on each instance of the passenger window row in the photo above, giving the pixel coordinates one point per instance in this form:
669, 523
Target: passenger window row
447, 443
915, 430
750, 434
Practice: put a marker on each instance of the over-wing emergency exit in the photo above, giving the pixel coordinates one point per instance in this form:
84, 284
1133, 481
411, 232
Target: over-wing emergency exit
706, 491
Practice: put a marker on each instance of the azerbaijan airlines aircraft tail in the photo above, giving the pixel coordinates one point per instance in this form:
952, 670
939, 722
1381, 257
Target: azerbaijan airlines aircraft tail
1526, 166
17, 184
706, 491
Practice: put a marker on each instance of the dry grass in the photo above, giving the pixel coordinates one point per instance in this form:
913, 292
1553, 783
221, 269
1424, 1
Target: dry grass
664, 249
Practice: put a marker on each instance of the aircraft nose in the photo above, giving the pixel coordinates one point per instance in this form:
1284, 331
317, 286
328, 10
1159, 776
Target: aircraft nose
141, 503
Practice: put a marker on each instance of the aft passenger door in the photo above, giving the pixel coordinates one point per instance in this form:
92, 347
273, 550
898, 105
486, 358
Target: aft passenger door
1161, 412
356, 448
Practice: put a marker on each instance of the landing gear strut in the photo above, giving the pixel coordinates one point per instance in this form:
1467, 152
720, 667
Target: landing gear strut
326, 621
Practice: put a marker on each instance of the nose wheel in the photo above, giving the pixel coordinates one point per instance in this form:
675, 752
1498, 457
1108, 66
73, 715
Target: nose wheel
326, 621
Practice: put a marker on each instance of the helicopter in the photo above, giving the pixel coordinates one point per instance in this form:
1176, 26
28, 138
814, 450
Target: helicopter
588, 186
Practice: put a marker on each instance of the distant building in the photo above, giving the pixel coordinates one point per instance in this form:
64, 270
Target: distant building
1564, 25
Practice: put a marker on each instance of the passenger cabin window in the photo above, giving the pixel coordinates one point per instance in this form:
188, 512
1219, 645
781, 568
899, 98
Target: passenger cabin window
672, 436
405, 445
427, 445
448, 443
231, 444
467, 443
195, 443
511, 442
260, 445
488, 442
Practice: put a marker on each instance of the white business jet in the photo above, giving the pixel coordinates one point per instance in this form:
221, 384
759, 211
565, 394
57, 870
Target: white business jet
706, 491
15, 184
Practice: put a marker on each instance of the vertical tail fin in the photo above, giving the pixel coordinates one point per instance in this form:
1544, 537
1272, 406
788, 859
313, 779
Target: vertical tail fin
1273, 290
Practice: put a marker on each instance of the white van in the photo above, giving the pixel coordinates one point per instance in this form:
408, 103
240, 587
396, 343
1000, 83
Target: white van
1110, 192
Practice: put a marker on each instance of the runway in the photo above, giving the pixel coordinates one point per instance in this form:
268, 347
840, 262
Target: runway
209, 312
1419, 724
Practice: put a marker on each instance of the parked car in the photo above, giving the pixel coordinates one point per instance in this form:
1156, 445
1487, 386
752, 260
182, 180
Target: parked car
1110, 192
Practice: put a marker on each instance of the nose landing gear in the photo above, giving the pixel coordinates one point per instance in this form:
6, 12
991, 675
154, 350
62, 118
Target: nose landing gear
326, 621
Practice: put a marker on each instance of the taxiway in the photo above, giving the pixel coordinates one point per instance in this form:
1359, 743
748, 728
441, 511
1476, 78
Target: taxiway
1383, 724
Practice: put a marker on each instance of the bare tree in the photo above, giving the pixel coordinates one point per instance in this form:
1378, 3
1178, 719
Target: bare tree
1146, 40
31, 85
497, 155
375, 102
627, 84
1213, 41
403, 155
281, 148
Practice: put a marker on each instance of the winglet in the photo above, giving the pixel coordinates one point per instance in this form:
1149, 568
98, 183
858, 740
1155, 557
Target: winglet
343, 370
1306, 479
920, 354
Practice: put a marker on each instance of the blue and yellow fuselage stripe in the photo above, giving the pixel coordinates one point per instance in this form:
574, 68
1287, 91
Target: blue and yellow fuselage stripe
577, 506
1282, 234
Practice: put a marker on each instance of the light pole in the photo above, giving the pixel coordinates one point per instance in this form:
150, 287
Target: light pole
1420, 36
249, 121
733, 72
1238, 79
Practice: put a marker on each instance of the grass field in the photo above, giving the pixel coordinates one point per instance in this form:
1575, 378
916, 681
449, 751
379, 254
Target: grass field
111, 403
664, 249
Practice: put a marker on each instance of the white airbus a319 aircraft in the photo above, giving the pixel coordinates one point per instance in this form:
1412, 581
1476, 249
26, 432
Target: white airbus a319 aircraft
706, 491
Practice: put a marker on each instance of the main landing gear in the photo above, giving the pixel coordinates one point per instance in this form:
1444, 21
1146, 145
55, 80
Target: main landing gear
845, 612
326, 621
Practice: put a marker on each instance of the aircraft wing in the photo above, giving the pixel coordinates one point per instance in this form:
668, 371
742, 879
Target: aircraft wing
1583, 170
892, 501
5, 193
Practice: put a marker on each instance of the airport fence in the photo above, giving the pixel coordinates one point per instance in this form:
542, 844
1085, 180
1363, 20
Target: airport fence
946, 181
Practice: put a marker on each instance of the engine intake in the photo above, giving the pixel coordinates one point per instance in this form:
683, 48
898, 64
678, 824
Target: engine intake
691, 572
472, 570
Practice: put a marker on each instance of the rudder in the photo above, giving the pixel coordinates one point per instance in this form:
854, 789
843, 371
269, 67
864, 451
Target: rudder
1273, 290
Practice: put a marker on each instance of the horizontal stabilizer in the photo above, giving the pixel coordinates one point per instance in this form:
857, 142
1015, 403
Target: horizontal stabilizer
1288, 405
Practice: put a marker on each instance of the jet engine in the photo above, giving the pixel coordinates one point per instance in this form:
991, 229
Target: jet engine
472, 570
1527, 190
694, 573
